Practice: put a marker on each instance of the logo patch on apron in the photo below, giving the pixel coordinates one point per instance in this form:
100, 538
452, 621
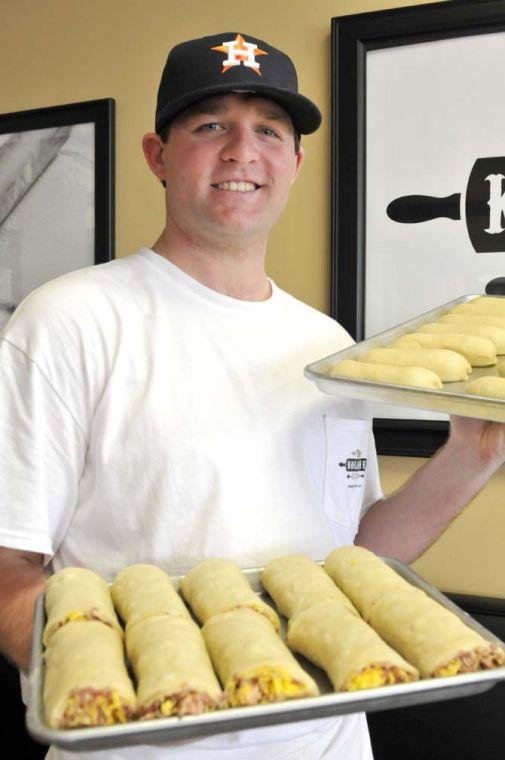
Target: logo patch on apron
355, 467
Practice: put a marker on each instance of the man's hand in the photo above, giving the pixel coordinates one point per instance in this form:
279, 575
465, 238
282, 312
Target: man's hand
479, 442
21, 581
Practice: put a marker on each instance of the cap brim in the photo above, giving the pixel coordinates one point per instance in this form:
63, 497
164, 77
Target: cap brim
305, 115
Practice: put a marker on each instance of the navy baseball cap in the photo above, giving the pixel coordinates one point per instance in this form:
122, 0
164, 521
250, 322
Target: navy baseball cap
231, 62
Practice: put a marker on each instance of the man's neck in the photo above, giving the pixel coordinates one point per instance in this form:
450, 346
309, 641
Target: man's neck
236, 273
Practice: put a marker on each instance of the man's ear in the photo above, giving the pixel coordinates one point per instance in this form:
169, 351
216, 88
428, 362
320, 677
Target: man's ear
153, 151
300, 156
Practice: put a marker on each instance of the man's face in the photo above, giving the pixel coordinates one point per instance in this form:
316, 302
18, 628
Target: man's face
229, 163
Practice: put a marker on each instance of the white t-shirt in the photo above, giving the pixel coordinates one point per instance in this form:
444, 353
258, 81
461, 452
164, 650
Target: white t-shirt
146, 418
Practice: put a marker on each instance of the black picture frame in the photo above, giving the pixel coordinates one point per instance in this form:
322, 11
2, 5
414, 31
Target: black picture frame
101, 114
352, 37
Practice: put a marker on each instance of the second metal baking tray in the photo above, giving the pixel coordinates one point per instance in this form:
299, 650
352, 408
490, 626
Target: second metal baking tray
330, 703
452, 399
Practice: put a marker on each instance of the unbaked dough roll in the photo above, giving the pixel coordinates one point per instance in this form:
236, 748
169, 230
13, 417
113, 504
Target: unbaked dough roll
350, 651
140, 591
431, 637
480, 352
172, 667
295, 582
85, 681
483, 305
417, 377
252, 662
492, 332
361, 576
218, 585
448, 365
466, 318
428, 636
76, 593
491, 386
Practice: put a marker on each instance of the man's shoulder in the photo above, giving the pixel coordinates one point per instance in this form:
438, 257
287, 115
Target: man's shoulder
316, 323
85, 299
96, 276
74, 289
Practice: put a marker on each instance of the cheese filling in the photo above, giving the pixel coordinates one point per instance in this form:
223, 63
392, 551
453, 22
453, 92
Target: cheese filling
451, 669
92, 707
263, 684
78, 616
377, 675
481, 658
74, 616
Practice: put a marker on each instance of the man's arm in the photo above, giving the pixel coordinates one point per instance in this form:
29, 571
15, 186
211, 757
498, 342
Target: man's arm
21, 581
409, 521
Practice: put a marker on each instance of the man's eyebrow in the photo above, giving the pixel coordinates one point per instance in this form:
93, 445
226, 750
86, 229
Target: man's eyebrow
276, 114
202, 107
214, 108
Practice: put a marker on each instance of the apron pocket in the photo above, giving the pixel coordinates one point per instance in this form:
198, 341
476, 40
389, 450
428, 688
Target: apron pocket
348, 443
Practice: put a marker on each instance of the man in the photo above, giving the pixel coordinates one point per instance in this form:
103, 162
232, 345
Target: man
153, 409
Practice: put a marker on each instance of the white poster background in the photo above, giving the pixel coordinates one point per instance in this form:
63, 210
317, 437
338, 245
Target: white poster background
432, 109
51, 230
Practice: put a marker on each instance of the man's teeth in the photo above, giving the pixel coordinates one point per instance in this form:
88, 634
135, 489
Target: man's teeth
240, 187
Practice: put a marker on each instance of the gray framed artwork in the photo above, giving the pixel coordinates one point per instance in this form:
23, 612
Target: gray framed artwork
56, 195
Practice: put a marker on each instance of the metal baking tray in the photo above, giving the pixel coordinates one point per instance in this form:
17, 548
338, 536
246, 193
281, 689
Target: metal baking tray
330, 703
451, 400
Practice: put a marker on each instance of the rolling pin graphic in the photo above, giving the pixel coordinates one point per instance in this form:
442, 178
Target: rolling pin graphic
484, 206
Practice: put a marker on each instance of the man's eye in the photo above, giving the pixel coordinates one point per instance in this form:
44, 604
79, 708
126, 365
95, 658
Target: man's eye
268, 131
212, 126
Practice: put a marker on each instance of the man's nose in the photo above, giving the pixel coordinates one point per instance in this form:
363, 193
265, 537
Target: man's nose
240, 145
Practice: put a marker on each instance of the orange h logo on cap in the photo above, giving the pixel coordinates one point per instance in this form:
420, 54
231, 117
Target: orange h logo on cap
239, 51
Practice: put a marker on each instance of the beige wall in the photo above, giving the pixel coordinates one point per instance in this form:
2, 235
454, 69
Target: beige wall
64, 51
470, 557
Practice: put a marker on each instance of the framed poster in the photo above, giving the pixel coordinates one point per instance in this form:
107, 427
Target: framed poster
56, 195
418, 184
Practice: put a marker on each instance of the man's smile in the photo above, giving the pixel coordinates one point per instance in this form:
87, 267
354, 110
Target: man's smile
237, 187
